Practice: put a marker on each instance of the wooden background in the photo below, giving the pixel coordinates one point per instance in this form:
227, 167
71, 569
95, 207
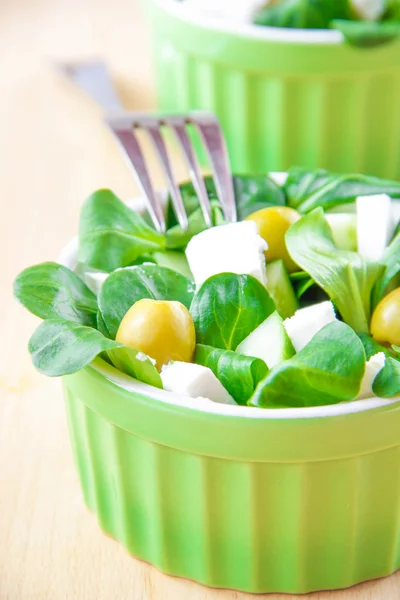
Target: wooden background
54, 151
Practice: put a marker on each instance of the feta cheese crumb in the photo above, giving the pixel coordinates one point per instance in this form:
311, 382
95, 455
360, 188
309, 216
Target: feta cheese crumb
232, 248
372, 368
375, 225
194, 380
306, 323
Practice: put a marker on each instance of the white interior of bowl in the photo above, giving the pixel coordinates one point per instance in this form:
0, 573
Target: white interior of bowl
278, 34
68, 257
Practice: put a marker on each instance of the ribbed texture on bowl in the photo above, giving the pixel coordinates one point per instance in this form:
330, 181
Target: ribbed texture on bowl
256, 527
309, 110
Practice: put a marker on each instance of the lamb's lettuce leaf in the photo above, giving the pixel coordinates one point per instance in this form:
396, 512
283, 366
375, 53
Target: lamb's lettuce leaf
252, 192
111, 235
60, 347
345, 276
367, 34
239, 374
391, 274
326, 371
387, 382
372, 347
307, 190
101, 325
190, 199
178, 239
392, 10
227, 308
126, 286
136, 364
50, 290
174, 260
303, 14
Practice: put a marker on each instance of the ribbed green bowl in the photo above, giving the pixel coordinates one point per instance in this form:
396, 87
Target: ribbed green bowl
260, 501
284, 97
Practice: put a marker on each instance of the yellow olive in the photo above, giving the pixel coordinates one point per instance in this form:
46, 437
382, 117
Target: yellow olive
273, 222
161, 329
385, 322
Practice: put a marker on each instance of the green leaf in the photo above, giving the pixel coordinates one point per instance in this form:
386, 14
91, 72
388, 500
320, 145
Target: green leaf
190, 199
299, 276
50, 290
111, 235
391, 262
371, 347
238, 374
303, 14
345, 276
367, 34
177, 238
136, 364
174, 260
126, 286
254, 192
60, 347
307, 190
303, 287
326, 371
392, 10
387, 382
227, 308
101, 325
301, 182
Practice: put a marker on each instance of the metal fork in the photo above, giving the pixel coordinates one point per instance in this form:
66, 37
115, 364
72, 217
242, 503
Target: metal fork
94, 78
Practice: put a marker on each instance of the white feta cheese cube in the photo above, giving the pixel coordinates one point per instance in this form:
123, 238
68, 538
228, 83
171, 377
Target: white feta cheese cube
194, 380
306, 322
369, 10
372, 368
94, 280
232, 248
375, 225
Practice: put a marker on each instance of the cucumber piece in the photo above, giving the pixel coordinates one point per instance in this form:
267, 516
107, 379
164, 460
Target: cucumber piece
280, 289
269, 341
174, 260
344, 230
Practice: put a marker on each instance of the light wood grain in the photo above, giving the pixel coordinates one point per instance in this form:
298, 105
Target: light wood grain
53, 153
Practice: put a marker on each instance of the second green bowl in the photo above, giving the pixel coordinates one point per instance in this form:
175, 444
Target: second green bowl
283, 96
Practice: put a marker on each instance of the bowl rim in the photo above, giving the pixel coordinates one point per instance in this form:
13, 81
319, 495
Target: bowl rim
68, 258
250, 30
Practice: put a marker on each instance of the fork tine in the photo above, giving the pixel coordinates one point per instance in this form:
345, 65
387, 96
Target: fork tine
176, 196
179, 128
132, 151
213, 139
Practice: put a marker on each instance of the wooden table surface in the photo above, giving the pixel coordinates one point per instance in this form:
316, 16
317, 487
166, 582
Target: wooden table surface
54, 152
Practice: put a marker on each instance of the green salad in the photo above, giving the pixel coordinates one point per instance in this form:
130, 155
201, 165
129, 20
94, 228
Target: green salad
297, 304
362, 22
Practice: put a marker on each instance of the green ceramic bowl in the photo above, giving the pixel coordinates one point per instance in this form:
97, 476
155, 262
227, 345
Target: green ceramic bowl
283, 96
289, 500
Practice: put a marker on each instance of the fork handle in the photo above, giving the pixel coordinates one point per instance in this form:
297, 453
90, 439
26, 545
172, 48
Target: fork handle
94, 79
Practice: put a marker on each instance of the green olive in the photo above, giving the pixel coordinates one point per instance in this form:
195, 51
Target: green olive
385, 322
163, 330
273, 223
